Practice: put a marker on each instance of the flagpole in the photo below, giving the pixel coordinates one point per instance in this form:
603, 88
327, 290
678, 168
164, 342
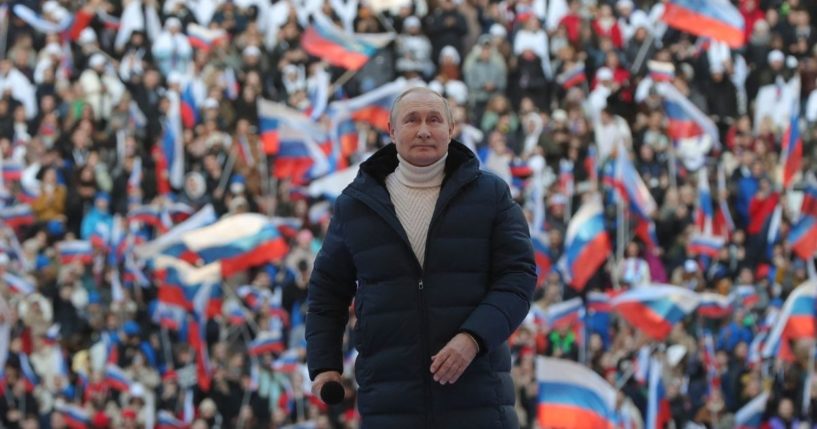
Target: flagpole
246, 397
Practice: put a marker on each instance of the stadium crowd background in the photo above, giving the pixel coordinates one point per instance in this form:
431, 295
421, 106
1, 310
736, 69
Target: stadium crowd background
119, 120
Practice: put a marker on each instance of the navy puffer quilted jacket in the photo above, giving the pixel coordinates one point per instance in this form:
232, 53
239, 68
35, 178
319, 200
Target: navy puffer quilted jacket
478, 278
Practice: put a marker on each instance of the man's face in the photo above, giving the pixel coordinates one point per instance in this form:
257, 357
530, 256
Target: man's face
421, 129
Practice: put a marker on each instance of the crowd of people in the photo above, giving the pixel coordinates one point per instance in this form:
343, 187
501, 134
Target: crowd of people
86, 97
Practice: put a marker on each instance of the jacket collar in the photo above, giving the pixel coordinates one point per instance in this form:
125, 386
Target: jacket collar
384, 162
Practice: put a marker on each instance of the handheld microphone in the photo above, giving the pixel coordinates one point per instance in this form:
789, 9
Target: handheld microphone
332, 392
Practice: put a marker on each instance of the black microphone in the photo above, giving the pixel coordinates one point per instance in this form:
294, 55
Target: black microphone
332, 392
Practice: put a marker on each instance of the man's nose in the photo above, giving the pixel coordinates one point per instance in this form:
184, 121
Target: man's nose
424, 131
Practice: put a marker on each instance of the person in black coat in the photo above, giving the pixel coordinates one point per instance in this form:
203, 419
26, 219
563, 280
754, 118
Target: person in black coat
438, 259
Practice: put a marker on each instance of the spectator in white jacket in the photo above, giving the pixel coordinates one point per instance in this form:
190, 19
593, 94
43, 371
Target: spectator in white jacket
102, 88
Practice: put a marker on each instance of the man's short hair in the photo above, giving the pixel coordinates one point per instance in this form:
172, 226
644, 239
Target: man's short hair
448, 115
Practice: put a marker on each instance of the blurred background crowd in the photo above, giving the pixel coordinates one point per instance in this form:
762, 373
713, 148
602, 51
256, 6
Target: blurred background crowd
127, 128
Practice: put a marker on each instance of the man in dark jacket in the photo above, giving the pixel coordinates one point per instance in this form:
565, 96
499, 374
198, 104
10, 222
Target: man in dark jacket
439, 261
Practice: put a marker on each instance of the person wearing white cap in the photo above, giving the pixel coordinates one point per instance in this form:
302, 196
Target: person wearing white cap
102, 89
414, 49
172, 50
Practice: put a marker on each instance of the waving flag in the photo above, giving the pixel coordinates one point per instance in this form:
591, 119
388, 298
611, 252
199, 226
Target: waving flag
564, 314
661, 71
17, 216
722, 224
749, 417
237, 242
18, 285
587, 244
205, 38
573, 396
267, 342
543, 256
116, 379
656, 308
295, 140
166, 420
809, 205
196, 336
75, 251
792, 145
12, 171
797, 319
685, 120
180, 282
803, 237
572, 77
658, 410
371, 107
714, 305
327, 41
746, 296
189, 107
717, 19
704, 245
704, 213
630, 185
74, 416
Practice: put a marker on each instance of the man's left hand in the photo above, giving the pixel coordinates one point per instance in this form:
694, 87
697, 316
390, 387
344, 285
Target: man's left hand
448, 365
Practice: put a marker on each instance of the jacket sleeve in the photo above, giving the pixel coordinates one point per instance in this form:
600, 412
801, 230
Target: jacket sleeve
513, 277
330, 291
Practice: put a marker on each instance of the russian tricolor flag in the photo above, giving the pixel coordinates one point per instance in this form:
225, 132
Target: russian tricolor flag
704, 212
656, 308
287, 363
372, 107
803, 237
180, 282
205, 38
327, 41
587, 244
792, 146
598, 302
237, 242
797, 319
12, 171
746, 296
189, 107
254, 298
75, 251
18, 285
631, 186
564, 314
543, 256
714, 305
717, 19
573, 396
750, 416
661, 71
685, 120
572, 77
295, 140
809, 205
267, 342
74, 416
658, 410
704, 245
116, 379
166, 420
17, 216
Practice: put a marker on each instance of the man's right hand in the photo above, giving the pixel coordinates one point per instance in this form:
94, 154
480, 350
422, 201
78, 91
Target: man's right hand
321, 379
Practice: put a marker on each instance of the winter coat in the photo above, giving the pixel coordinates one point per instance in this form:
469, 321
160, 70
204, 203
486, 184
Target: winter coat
478, 278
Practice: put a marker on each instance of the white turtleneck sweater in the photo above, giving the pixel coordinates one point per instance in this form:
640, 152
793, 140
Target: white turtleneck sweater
414, 191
